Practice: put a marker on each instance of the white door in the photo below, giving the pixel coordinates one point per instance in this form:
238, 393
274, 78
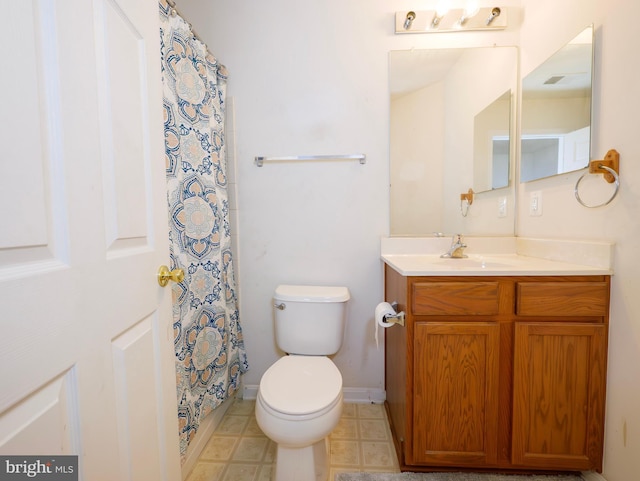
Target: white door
86, 344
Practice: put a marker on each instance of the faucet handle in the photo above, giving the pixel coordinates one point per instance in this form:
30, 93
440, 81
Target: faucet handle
456, 249
458, 242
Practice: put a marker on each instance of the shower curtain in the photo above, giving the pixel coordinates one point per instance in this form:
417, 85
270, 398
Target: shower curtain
210, 354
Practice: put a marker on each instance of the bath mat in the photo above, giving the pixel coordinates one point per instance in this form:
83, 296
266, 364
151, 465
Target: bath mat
450, 477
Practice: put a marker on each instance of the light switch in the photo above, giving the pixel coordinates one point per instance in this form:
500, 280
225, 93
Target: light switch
502, 207
535, 203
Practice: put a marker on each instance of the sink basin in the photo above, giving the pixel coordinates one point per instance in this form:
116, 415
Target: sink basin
469, 263
442, 265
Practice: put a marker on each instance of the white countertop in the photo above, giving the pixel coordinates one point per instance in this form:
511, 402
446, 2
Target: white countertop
489, 265
499, 256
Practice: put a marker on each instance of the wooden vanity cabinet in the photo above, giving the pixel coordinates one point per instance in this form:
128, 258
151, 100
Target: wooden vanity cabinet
506, 373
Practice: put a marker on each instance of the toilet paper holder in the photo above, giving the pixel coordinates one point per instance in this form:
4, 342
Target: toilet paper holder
397, 318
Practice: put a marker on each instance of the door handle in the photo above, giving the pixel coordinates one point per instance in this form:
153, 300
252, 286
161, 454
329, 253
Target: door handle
165, 275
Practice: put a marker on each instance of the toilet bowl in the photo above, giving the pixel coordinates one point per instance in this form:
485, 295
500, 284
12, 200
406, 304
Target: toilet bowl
299, 403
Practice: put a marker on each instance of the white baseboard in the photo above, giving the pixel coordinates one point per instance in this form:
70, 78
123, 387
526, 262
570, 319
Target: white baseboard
592, 476
363, 395
250, 392
205, 430
358, 395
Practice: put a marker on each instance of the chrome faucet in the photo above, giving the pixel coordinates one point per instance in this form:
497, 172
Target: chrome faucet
456, 249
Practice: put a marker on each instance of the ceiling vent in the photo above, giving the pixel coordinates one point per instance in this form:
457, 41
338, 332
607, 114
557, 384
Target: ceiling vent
554, 80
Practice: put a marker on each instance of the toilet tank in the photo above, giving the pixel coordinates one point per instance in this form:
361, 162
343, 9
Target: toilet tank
310, 320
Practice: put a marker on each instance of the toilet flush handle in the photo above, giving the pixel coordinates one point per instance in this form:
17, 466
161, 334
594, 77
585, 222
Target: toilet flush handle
281, 307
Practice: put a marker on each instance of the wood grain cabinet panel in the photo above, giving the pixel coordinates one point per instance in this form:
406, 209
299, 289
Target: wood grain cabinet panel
562, 299
455, 393
559, 389
455, 298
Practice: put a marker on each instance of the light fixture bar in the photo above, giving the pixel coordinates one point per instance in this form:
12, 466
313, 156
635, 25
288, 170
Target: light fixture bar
456, 20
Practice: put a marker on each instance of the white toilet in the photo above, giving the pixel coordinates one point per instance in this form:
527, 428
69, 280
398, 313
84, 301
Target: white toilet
300, 397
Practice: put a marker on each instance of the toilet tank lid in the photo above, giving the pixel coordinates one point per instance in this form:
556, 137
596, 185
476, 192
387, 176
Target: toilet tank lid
312, 293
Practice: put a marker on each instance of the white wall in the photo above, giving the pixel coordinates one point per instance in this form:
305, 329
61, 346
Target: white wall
311, 78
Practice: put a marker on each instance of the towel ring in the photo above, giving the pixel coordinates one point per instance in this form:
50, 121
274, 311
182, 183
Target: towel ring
616, 180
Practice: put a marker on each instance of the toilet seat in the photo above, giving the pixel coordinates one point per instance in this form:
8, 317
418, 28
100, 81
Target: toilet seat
301, 385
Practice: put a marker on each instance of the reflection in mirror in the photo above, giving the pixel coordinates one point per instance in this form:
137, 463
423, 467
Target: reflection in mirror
491, 145
437, 101
556, 112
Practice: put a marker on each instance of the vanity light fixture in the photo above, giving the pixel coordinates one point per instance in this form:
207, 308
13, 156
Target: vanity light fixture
443, 19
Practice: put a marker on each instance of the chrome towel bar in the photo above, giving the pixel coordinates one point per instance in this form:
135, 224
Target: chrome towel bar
259, 161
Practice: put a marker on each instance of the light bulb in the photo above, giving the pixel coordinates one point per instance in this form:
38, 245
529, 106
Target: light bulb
469, 11
442, 7
471, 8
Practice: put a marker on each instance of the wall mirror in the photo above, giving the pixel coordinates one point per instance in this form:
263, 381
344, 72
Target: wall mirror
450, 129
556, 112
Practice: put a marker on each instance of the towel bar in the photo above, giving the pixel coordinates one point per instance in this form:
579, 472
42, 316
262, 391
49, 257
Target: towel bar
259, 161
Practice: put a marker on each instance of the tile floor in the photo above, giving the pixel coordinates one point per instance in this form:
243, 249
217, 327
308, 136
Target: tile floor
239, 451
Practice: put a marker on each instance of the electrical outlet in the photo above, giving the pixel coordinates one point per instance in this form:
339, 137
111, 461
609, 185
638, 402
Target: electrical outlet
502, 207
535, 203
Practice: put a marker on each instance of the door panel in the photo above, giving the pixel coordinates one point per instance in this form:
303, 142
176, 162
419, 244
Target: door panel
134, 362
26, 155
43, 420
122, 90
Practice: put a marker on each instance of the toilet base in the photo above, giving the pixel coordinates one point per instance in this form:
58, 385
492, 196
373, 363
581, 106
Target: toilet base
310, 463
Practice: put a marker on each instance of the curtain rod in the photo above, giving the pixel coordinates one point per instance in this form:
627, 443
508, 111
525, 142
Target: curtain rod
175, 11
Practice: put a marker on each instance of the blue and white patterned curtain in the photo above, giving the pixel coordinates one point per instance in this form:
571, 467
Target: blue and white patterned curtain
210, 355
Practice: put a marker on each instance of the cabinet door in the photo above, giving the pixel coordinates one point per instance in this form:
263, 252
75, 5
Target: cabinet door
455, 387
559, 392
